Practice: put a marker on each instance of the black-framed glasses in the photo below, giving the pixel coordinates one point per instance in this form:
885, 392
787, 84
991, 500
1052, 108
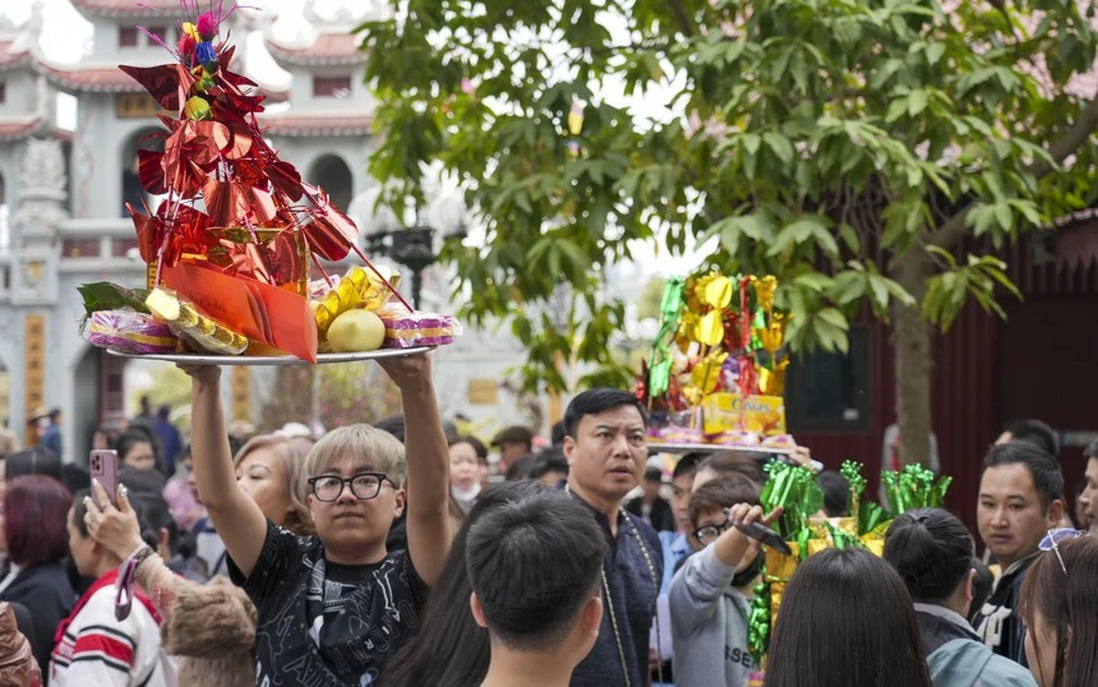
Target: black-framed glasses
710, 532
1054, 537
364, 485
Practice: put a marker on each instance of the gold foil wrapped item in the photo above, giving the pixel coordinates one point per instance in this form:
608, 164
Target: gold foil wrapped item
195, 329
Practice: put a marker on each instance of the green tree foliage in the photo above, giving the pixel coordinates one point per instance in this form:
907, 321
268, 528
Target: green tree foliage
828, 142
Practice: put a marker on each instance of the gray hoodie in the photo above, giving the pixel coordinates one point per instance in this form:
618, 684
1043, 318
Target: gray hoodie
709, 624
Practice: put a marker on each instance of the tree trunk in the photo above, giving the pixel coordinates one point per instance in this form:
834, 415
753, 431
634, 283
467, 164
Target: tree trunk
911, 341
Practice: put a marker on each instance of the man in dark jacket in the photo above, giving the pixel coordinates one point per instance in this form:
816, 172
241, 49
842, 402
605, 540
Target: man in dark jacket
606, 451
1018, 503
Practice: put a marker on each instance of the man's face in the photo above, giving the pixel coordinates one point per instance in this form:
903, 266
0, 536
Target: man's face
607, 455
509, 452
1089, 497
1009, 513
680, 500
349, 521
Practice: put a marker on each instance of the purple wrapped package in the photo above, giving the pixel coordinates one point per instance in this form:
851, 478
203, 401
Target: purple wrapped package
129, 331
418, 329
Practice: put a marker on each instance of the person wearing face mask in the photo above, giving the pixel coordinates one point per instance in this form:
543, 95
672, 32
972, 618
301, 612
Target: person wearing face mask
467, 455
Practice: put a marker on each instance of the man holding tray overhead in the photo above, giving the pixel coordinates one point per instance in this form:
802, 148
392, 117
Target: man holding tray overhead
335, 607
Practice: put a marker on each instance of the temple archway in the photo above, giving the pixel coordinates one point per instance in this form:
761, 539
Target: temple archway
332, 174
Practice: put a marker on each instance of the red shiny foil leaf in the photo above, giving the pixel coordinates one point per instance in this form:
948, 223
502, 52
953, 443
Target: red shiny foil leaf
150, 172
262, 207
250, 171
150, 230
331, 233
189, 226
167, 83
233, 143
226, 202
286, 179
202, 142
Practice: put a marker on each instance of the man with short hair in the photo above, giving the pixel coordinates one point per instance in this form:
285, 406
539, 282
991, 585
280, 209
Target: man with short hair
513, 442
1019, 502
606, 451
534, 567
1089, 498
1036, 432
650, 506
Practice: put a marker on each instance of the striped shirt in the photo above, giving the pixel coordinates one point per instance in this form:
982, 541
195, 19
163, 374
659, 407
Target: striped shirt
92, 647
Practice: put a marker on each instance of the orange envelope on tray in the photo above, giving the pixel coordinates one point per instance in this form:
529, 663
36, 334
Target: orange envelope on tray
266, 313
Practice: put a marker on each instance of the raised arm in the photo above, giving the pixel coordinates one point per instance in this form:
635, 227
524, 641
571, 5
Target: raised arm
428, 458
237, 518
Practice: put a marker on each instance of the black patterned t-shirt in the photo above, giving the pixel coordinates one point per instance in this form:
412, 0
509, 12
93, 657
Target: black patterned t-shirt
325, 624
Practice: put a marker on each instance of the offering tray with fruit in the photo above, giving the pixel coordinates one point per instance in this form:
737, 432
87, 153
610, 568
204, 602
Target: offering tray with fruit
235, 251
267, 360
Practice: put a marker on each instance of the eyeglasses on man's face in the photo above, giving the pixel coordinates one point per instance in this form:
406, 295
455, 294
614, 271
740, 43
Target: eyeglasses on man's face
364, 485
708, 533
1052, 541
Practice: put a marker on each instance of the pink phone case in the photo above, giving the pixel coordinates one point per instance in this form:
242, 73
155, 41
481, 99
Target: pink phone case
103, 465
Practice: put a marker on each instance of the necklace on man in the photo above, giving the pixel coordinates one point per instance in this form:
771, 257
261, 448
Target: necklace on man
610, 600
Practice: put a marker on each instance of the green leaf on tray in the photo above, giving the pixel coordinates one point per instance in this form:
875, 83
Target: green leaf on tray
104, 295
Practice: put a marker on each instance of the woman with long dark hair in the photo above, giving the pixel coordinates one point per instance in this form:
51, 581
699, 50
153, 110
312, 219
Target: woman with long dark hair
451, 650
846, 621
1060, 609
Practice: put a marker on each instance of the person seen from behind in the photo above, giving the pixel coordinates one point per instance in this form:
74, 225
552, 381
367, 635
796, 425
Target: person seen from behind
933, 552
846, 620
534, 567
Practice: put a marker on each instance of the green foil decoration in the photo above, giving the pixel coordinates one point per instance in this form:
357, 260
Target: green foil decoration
914, 487
659, 370
758, 622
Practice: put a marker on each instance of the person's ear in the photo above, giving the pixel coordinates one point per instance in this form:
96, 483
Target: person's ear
398, 508
569, 449
970, 582
1055, 513
591, 617
478, 611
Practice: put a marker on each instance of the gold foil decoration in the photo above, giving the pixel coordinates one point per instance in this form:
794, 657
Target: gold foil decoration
199, 331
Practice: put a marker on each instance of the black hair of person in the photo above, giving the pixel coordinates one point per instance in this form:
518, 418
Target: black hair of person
37, 460
595, 401
478, 446
450, 649
137, 433
836, 491
79, 510
735, 462
932, 551
1036, 432
982, 584
688, 464
533, 564
394, 424
1091, 451
550, 460
1045, 470
846, 619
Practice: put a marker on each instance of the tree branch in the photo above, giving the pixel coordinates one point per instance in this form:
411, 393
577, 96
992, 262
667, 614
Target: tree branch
680, 14
951, 233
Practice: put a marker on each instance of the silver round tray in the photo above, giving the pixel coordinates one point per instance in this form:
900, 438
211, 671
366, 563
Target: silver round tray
321, 358
664, 447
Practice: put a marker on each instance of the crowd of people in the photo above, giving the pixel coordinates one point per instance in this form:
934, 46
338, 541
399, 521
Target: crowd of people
391, 555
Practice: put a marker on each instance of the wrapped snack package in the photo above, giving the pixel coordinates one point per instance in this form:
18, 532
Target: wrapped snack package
418, 329
359, 288
198, 331
129, 331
